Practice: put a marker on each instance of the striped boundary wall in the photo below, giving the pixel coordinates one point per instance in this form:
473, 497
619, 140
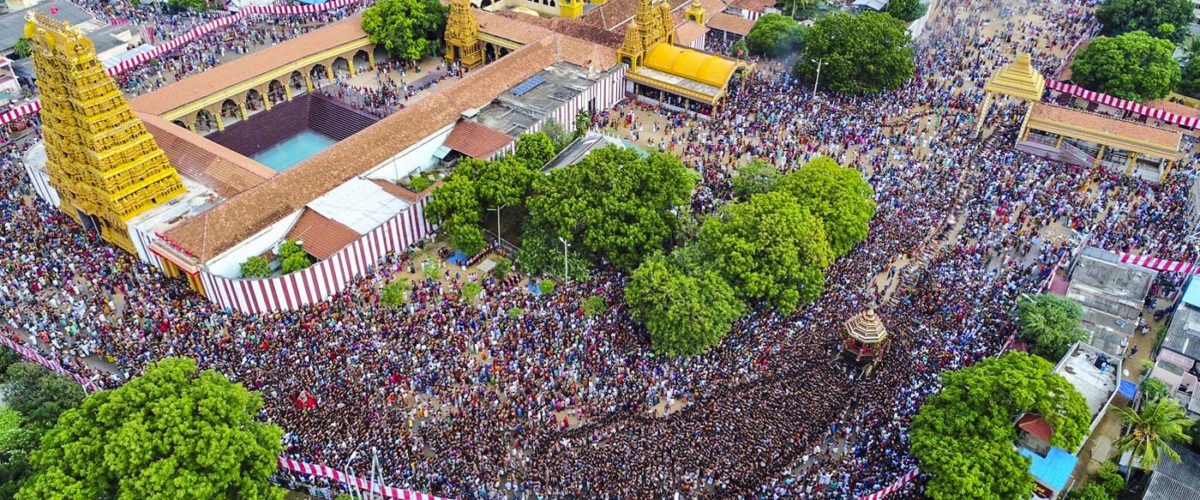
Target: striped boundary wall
324, 279
189, 36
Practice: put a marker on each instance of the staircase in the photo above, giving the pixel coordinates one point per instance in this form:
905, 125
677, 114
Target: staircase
334, 119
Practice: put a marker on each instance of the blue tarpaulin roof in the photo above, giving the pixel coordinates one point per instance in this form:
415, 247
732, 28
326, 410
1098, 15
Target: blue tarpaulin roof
1191, 297
1054, 469
1128, 389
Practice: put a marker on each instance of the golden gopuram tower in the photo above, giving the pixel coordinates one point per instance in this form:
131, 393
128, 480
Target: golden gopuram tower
651, 26
462, 35
106, 167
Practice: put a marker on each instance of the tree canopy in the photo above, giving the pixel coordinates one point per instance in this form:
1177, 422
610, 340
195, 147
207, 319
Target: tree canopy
22, 48
474, 186
1133, 66
1050, 324
768, 249
775, 35
408, 29
838, 196
862, 54
1124, 16
535, 150
39, 395
964, 435
613, 205
194, 4
754, 177
905, 10
1189, 82
1154, 427
685, 315
173, 432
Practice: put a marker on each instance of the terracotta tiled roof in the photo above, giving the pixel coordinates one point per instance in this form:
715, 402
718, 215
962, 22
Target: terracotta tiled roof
221, 169
401, 193
617, 13
220, 228
476, 140
198, 86
730, 23
1106, 125
754, 5
689, 32
1036, 426
321, 235
509, 28
570, 27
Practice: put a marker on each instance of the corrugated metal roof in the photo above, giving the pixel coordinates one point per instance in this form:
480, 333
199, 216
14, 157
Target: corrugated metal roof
1054, 469
359, 204
1176, 481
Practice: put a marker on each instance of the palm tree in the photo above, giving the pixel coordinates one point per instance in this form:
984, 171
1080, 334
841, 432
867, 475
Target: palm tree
1159, 423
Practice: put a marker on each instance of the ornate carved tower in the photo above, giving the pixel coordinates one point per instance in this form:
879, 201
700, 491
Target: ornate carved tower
668, 23
462, 35
696, 13
106, 167
632, 51
649, 20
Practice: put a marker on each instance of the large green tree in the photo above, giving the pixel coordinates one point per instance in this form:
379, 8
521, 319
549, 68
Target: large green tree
838, 196
613, 205
1152, 16
754, 177
39, 395
905, 10
768, 249
862, 54
1133, 66
775, 35
195, 4
535, 150
685, 315
1050, 324
173, 432
1159, 423
542, 252
16, 443
408, 29
1189, 82
963, 436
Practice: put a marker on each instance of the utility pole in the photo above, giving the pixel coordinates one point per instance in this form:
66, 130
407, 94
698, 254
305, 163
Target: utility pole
566, 276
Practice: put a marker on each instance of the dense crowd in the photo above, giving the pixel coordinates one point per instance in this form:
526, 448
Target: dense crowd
472, 401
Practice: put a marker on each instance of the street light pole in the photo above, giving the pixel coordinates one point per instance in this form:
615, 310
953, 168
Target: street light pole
346, 470
566, 276
818, 79
499, 240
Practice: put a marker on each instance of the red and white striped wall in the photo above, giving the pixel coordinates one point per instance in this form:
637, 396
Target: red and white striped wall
1155, 263
1097, 97
325, 278
41, 184
607, 91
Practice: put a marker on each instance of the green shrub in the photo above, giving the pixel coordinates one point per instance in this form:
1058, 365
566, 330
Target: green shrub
396, 292
295, 262
471, 290
514, 313
503, 269
1109, 478
289, 248
419, 183
594, 306
546, 286
256, 267
1154, 388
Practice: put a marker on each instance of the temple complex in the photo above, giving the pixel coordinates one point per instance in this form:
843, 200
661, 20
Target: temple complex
185, 176
1077, 136
101, 160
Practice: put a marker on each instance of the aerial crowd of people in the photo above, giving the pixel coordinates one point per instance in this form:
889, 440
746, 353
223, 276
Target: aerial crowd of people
472, 401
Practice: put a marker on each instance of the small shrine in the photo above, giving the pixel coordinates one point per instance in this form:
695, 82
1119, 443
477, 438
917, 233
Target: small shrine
863, 340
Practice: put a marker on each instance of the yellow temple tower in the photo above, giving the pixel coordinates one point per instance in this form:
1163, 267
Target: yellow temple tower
462, 35
106, 167
696, 13
570, 9
651, 26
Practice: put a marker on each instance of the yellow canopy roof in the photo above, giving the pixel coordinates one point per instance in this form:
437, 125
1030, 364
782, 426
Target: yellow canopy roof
691, 64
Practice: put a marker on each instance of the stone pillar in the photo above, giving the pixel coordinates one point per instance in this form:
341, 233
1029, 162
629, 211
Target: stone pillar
1132, 163
1099, 156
